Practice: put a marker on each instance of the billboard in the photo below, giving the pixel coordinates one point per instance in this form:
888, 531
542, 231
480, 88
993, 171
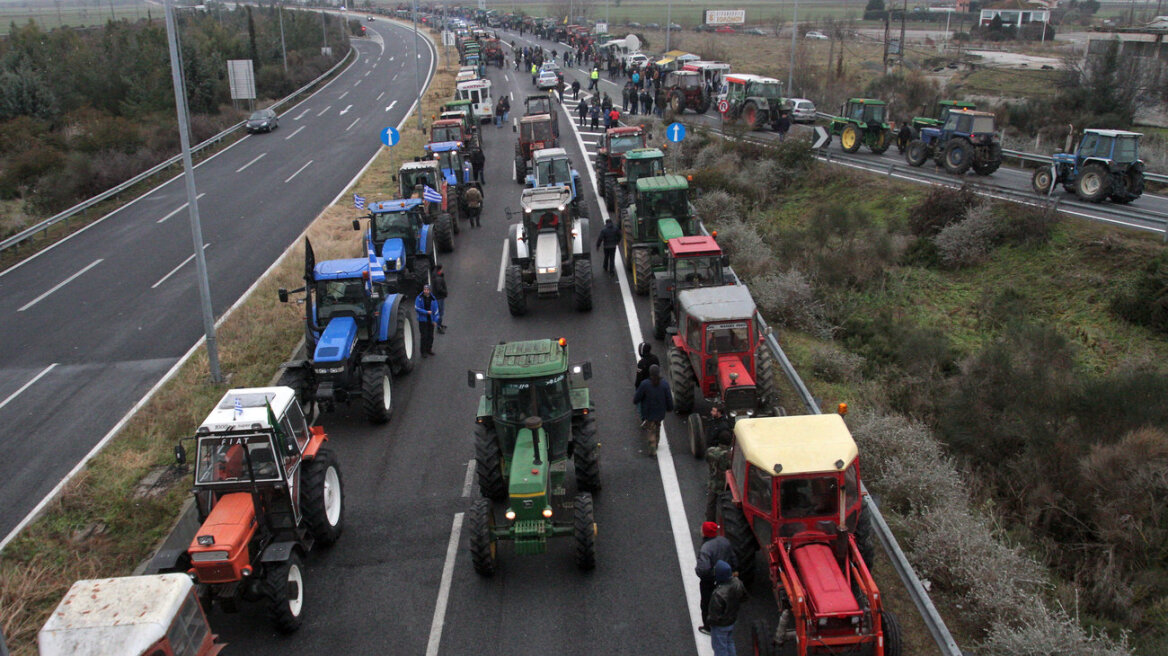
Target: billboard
241, 79
725, 16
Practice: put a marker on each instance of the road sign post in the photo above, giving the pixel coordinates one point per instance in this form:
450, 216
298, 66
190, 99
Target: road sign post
390, 136
675, 132
822, 138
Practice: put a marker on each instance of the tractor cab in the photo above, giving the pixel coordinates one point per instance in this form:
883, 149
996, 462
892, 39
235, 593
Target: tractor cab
620, 140
862, 123
536, 132
448, 130
695, 261
978, 127
642, 163
712, 72
866, 111
397, 230
552, 168
943, 109
1106, 164
662, 207
537, 104
545, 210
686, 89
448, 154
414, 177
1115, 146
753, 99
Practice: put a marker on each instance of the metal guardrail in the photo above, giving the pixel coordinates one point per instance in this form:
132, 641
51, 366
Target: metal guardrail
28, 233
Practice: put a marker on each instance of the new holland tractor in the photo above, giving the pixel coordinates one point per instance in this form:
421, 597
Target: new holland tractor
638, 163
1106, 164
610, 158
404, 242
862, 124
551, 167
534, 417
967, 139
267, 491
549, 251
690, 262
358, 333
793, 492
661, 211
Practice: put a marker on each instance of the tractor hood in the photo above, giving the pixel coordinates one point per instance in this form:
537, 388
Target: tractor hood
529, 481
739, 392
336, 342
547, 258
668, 229
449, 176
393, 253
219, 552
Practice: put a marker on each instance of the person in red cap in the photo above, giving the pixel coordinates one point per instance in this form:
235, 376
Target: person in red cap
714, 548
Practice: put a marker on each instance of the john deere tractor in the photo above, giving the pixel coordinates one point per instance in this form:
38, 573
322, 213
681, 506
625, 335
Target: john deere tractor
661, 211
1107, 164
968, 139
862, 124
549, 251
358, 333
534, 417
551, 167
639, 163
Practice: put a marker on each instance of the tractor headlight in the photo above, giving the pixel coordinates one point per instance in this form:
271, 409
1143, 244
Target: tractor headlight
547, 512
510, 515
209, 556
330, 370
547, 269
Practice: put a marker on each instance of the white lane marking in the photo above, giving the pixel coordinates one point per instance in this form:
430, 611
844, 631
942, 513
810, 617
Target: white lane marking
391, 59
510, 95
355, 121
295, 133
40, 376
590, 143
175, 270
390, 106
342, 96
502, 266
393, 78
374, 65
357, 83
59, 285
682, 541
367, 73
301, 115
379, 96
345, 110
466, 483
444, 587
324, 110
184, 206
506, 77
240, 169
297, 172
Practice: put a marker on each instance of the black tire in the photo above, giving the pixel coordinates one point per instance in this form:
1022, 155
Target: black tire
584, 530
991, 164
520, 170
516, 296
1131, 187
768, 395
403, 346
489, 463
610, 191
893, 642
376, 393
282, 590
322, 497
483, 548
586, 454
917, 153
704, 106
660, 313
1094, 183
421, 268
1041, 180
444, 233
856, 137
882, 143
299, 380
751, 116
865, 539
681, 381
762, 640
622, 202
677, 103
642, 271
737, 531
627, 241
957, 156
697, 435
582, 285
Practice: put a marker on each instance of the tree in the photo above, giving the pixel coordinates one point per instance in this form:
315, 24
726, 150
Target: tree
874, 5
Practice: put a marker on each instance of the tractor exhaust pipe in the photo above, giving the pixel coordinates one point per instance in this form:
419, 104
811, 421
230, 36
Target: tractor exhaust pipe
533, 424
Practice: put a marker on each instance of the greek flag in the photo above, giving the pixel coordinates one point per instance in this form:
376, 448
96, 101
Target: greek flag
431, 195
376, 271
358, 202
238, 407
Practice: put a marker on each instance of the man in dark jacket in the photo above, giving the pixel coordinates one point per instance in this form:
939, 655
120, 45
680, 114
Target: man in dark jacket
477, 161
439, 290
648, 359
714, 548
610, 237
724, 604
428, 316
654, 398
719, 435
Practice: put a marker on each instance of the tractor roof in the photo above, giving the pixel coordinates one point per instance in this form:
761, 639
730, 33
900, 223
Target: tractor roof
801, 444
537, 357
726, 303
444, 122
443, 146
963, 104
545, 198
748, 77
253, 409
693, 246
536, 118
644, 153
627, 129
341, 269
1114, 133
420, 164
668, 182
398, 205
961, 111
550, 153
123, 615
867, 101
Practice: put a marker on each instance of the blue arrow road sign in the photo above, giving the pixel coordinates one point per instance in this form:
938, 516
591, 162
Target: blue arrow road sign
675, 132
390, 137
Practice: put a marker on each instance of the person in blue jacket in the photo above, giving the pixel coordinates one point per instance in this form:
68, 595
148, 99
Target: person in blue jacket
654, 399
429, 316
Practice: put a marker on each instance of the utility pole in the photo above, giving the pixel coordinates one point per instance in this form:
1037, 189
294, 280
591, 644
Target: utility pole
417, 66
283, 50
668, 22
903, 15
180, 102
886, 36
795, 31
323, 30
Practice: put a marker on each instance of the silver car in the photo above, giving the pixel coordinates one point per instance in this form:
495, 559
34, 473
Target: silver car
802, 110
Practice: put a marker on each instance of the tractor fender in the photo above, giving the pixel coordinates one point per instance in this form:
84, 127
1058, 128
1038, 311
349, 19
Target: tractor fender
580, 239
575, 184
520, 252
929, 135
374, 358
387, 327
424, 241
278, 552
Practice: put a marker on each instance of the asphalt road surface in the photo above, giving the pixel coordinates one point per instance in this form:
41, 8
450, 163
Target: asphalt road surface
90, 325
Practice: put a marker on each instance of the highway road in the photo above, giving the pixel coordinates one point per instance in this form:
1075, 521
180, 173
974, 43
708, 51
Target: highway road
93, 323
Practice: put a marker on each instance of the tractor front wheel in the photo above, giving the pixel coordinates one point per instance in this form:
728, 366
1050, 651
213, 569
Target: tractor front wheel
403, 346
421, 267
681, 380
697, 435
376, 393
917, 153
890, 627
677, 103
586, 454
642, 271
850, 139
483, 548
489, 463
621, 203
520, 170
864, 539
737, 531
627, 243
762, 641
764, 377
298, 380
1094, 183
322, 498
1042, 180
444, 233
516, 298
283, 591
610, 191
582, 284
584, 530
958, 156
881, 142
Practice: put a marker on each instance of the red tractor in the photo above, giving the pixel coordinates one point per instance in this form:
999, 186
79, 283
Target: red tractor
686, 90
690, 262
493, 52
536, 132
793, 491
610, 160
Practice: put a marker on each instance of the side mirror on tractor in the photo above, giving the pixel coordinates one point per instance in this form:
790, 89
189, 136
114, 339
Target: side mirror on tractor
583, 369
283, 294
356, 224
473, 377
180, 454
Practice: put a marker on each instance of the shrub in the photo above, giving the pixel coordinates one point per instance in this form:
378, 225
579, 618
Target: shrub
968, 241
1146, 301
718, 207
749, 254
940, 208
1049, 632
789, 299
833, 364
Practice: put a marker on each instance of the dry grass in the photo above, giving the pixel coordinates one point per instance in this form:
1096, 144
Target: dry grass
95, 528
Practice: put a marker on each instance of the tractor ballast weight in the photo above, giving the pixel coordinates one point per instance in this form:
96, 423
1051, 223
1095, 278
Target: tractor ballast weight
686, 90
661, 211
551, 167
1106, 164
549, 251
535, 415
968, 139
638, 163
536, 132
690, 262
753, 100
610, 158
862, 124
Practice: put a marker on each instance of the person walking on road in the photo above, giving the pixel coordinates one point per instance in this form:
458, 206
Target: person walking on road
477, 161
534, 73
582, 110
474, 205
440, 296
594, 114
648, 359
575, 89
613, 118
655, 399
625, 96
719, 435
714, 548
506, 107
428, 316
594, 79
725, 601
610, 237
499, 120
783, 125
646, 102
560, 89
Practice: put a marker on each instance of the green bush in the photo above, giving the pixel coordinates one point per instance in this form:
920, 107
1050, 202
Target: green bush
940, 208
1146, 301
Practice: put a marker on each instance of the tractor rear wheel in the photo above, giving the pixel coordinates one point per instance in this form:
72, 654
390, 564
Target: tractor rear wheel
610, 191
697, 435
444, 233
642, 271
586, 454
403, 346
762, 641
660, 309
322, 497
1094, 183
421, 268
489, 463
1042, 180
737, 531
991, 163
520, 170
681, 380
483, 548
584, 530
627, 243
751, 116
704, 106
677, 103
850, 139
621, 203
864, 539
1131, 187
454, 219
958, 156
881, 142
582, 284
282, 589
893, 643
917, 153
376, 393
764, 377
298, 380
516, 298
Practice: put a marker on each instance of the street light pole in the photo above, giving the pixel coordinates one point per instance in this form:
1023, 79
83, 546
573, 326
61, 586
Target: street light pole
283, 50
417, 66
794, 31
180, 102
668, 23
323, 31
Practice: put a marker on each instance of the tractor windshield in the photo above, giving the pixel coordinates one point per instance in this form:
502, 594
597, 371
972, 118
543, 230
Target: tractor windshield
224, 460
727, 338
410, 179
698, 271
873, 113
768, 90
636, 169
809, 497
537, 131
673, 203
547, 398
553, 171
622, 143
1126, 150
339, 297
540, 105
450, 160
446, 133
390, 225
983, 125
687, 81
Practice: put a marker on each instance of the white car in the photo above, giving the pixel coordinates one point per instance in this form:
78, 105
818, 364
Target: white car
816, 34
802, 110
637, 60
547, 80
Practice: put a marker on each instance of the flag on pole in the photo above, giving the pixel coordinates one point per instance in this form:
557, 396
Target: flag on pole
431, 195
376, 271
238, 407
359, 202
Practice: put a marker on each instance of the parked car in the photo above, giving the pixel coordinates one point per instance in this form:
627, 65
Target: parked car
653, 26
757, 31
816, 34
725, 29
802, 110
634, 24
547, 80
704, 28
637, 60
674, 26
264, 120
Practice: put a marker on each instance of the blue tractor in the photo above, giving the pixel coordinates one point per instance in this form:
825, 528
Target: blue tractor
456, 172
552, 168
358, 335
967, 139
1107, 164
399, 236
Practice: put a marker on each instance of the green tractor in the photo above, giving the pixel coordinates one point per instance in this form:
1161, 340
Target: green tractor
862, 124
535, 415
639, 163
661, 211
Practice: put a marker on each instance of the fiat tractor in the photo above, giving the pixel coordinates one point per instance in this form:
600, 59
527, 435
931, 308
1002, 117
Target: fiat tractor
793, 492
862, 124
661, 211
536, 132
690, 262
686, 90
552, 168
549, 251
639, 163
967, 139
1107, 164
610, 158
266, 493
535, 415
541, 103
